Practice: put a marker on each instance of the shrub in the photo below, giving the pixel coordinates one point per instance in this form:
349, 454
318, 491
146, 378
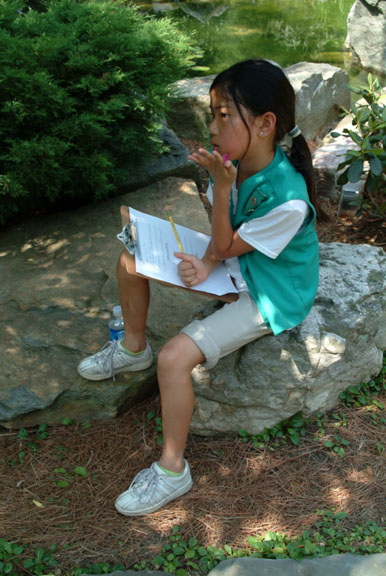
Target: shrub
83, 85
368, 158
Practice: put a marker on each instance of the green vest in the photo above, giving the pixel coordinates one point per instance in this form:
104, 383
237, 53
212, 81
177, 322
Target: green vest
284, 288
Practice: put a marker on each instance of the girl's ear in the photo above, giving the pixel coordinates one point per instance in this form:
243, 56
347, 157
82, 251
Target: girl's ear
266, 124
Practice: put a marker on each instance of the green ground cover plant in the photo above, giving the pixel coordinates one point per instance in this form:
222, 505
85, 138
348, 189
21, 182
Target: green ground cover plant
84, 86
183, 558
332, 531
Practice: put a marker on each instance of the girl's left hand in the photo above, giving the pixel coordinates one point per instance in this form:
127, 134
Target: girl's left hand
223, 173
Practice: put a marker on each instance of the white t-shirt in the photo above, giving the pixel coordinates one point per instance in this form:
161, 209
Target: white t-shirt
269, 234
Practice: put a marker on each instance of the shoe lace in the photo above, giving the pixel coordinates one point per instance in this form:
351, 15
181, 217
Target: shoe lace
144, 483
105, 356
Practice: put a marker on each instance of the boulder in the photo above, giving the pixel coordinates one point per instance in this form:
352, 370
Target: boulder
340, 344
366, 33
173, 161
56, 294
321, 90
336, 565
327, 157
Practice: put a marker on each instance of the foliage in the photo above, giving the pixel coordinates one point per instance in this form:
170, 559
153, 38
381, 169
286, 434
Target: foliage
182, 557
368, 157
84, 85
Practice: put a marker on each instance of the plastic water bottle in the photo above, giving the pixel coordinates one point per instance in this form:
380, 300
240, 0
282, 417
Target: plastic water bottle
116, 324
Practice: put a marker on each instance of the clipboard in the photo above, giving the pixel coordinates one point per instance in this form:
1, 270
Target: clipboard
152, 242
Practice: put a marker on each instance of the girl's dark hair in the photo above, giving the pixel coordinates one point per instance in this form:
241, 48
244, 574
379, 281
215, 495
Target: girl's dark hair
261, 86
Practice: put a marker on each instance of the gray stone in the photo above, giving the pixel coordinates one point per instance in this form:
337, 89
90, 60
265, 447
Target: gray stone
340, 344
321, 90
366, 33
57, 290
172, 162
328, 156
338, 565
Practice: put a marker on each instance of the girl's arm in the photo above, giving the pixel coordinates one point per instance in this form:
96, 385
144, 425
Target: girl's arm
226, 242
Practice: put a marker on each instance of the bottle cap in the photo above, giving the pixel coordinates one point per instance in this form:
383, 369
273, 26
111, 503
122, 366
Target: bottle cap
117, 311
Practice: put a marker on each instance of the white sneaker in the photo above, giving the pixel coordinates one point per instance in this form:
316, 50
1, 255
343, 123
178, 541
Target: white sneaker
112, 359
151, 489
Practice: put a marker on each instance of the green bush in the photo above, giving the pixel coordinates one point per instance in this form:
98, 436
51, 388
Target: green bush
83, 86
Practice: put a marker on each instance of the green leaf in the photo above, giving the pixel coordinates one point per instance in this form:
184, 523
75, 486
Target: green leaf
355, 171
67, 421
81, 471
23, 434
375, 166
378, 404
328, 443
335, 134
62, 484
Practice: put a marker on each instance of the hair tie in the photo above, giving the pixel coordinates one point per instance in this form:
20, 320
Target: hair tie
295, 131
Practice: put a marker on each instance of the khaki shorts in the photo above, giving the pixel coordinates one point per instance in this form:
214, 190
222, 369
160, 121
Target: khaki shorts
227, 329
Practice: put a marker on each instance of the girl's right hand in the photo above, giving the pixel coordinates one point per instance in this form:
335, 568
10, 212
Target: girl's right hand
192, 270
223, 173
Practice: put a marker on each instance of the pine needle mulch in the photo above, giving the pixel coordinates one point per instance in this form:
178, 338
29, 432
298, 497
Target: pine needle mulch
238, 491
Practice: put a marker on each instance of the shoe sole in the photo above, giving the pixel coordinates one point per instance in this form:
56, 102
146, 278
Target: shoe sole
180, 492
134, 368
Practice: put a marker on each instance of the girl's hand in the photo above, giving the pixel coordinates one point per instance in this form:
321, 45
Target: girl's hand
192, 270
223, 173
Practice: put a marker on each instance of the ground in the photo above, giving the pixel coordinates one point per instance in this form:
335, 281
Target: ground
58, 485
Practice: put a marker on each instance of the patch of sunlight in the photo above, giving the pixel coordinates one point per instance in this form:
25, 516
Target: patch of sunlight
240, 31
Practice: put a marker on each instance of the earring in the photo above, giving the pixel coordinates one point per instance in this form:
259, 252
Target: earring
261, 133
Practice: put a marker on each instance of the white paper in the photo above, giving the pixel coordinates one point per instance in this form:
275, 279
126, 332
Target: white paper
155, 253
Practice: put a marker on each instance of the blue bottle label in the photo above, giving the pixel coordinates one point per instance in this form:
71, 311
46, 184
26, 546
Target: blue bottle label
116, 334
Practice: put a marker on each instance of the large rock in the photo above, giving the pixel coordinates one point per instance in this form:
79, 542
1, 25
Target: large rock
58, 287
172, 162
56, 293
336, 565
340, 344
321, 90
366, 33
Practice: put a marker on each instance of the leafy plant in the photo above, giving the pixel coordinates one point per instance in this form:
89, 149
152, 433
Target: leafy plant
368, 157
158, 426
84, 86
337, 444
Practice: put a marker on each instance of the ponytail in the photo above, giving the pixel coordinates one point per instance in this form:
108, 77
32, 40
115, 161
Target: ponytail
300, 157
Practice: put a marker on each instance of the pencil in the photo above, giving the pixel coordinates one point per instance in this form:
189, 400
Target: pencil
175, 232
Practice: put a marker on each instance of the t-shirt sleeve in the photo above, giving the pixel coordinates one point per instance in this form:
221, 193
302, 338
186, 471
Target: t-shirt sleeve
271, 233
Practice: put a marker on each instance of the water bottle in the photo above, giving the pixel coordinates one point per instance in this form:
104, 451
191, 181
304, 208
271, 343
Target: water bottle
116, 324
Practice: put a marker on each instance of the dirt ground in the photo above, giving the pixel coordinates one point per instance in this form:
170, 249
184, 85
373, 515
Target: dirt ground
238, 490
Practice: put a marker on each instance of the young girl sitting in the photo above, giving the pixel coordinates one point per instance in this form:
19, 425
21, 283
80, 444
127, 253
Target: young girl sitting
262, 226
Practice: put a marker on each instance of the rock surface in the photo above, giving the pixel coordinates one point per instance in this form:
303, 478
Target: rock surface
340, 344
58, 287
321, 90
57, 291
338, 565
172, 163
366, 33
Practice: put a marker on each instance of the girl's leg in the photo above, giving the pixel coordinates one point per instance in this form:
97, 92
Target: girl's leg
134, 296
175, 362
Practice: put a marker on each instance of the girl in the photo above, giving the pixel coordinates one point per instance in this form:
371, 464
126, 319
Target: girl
262, 226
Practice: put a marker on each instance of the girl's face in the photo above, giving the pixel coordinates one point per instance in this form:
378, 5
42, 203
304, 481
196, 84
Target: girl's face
229, 135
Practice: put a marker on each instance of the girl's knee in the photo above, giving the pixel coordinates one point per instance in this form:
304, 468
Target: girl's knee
169, 356
125, 264
179, 354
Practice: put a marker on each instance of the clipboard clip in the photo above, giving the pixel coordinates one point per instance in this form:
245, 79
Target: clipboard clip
129, 237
